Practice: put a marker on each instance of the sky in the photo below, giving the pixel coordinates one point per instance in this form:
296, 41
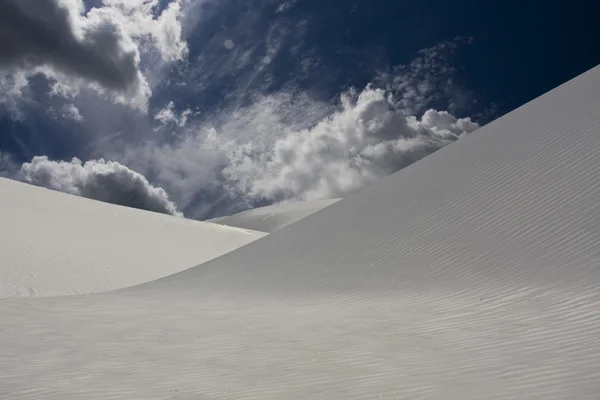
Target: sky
204, 108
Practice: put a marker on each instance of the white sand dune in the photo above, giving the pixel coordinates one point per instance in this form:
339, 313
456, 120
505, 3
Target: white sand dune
273, 218
471, 274
54, 243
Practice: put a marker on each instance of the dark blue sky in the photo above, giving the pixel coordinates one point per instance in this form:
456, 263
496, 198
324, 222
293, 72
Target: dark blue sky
520, 50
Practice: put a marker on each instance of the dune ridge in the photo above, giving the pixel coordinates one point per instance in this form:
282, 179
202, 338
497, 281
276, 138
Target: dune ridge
275, 217
473, 273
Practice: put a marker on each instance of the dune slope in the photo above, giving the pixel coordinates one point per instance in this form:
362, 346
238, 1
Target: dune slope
471, 274
273, 218
53, 243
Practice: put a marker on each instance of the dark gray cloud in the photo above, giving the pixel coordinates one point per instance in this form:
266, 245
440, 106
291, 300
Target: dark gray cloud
102, 180
36, 33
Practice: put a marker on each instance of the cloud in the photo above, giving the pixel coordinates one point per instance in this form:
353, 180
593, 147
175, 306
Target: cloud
47, 33
7, 165
278, 144
234, 53
168, 115
13, 91
259, 153
140, 20
100, 49
288, 146
427, 79
70, 111
286, 5
363, 141
102, 180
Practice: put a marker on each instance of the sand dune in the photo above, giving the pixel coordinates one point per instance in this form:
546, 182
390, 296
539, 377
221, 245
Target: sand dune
272, 218
53, 243
471, 274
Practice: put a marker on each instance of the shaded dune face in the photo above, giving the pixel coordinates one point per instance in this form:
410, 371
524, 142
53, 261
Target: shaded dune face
472, 273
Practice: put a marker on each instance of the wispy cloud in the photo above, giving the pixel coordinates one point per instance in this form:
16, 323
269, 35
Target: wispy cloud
7, 166
169, 116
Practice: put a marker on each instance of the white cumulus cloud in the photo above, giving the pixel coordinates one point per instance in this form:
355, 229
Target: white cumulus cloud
363, 141
288, 147
102, 180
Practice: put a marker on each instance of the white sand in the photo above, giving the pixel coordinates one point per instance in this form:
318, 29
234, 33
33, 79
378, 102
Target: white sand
273, 218
53, 243
471, 274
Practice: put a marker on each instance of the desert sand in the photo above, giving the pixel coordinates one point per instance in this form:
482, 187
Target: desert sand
272, 218
53, 243
471, 274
